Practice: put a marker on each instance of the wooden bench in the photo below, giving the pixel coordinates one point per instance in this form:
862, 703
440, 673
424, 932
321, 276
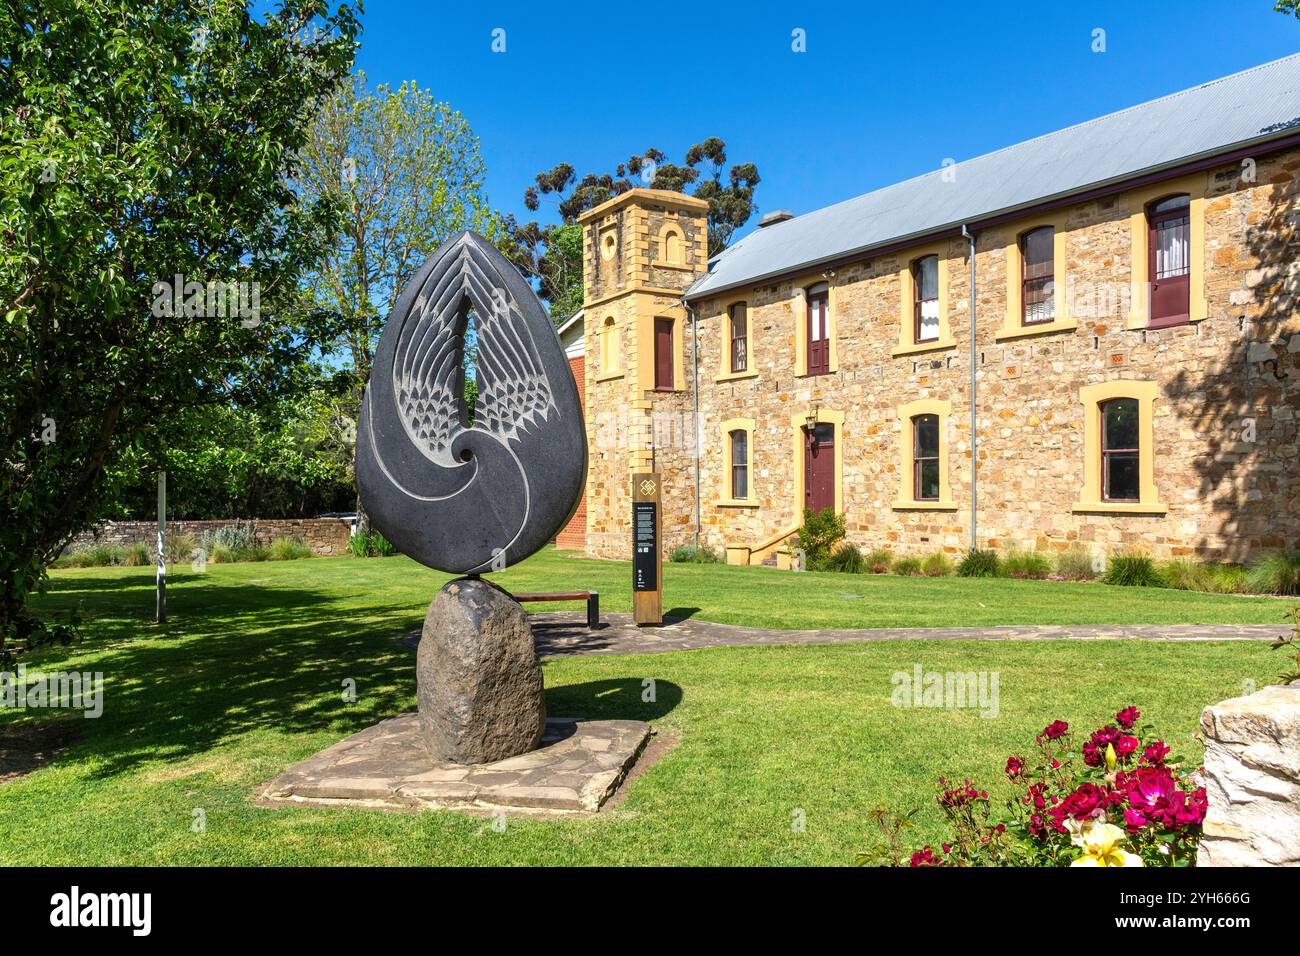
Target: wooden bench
591, 597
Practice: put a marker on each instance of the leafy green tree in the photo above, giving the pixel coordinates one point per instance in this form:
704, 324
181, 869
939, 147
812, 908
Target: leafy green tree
407, 172
552, 255
139, 142
1288, 6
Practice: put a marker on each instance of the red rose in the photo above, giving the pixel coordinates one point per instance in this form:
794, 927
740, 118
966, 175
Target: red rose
1125, 746
1054, 731
1014, 767
1086, 803
1128, 717
1155, 754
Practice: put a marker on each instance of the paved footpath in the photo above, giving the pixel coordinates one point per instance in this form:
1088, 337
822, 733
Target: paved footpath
559, 633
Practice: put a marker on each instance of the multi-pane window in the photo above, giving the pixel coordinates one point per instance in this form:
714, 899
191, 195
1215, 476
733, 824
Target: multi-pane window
739, 337
819, 335
1170, 259
1037, 286
925, 457
1120, 479
925, 276
739, 464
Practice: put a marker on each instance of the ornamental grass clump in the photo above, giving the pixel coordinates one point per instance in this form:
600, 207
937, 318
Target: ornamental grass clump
979, 564
1132, 570
879, 561
907, 567
692, 554
1119, 799
1277, 573
938, 565
847, 559
1075, 564
1026, 566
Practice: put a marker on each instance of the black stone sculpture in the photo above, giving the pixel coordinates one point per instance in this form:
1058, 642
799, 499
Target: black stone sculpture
474, 497
458, 497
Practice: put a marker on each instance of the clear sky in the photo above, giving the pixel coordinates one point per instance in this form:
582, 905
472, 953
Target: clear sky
884, 91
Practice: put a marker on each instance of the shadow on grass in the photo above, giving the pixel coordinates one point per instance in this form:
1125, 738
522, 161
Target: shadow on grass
233, 660
622, 698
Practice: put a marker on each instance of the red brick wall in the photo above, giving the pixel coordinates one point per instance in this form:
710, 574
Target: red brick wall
574, 534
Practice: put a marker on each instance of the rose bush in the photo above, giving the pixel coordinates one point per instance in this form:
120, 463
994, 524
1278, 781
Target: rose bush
1119, 799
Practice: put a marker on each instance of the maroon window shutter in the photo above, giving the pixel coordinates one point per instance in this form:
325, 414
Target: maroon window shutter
1169, 261
664, 354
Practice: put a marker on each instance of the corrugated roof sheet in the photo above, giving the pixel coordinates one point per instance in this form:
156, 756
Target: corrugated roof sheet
1234, 111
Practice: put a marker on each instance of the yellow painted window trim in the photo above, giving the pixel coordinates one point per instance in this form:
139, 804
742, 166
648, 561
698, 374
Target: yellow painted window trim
799, 299
1195, 187
907, 302
1013, 326
906, 500
646, 348
604, 331
1092, 397
661, 247
725, 374
819, 416
725, 500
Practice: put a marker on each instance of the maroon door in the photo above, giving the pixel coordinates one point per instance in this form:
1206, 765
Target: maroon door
1168, 262
664, 354
819, 340
819, 468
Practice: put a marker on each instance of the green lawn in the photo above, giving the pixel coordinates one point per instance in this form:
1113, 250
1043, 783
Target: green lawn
246, 680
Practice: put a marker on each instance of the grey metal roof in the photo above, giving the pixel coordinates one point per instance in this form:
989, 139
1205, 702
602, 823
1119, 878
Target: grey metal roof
1252, 106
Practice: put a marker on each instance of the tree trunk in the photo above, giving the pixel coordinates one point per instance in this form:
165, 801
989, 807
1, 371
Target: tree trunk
363, 519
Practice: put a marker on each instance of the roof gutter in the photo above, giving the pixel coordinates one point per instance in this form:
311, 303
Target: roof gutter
1272, 143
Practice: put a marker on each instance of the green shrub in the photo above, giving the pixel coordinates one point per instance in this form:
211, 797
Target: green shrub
236, 535
879, 561
979, 564
908, 567
1132, 570
1186, 574
289, 549
135, 556
380, 546
690, 554
221, 553
1226, 578
1026, 565
359, 544
1276, 573
847, 559
1075, 564
181, 547
937, 565
818, 536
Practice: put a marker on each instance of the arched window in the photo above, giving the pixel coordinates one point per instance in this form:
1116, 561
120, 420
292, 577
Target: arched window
1037, 283
925, 299
739, 464
672, 246
819, 334
925, 457
1120, 450
608, 345
738, 314
1169, 259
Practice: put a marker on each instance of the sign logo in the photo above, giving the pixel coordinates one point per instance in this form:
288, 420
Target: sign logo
647, 487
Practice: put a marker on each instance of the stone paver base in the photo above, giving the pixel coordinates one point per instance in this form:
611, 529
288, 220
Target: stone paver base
578, 766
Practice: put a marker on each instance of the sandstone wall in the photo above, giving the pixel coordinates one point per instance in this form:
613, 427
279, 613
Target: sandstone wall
325, 536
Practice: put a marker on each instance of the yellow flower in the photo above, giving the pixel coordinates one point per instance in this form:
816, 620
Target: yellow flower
1111, 759
1099, 842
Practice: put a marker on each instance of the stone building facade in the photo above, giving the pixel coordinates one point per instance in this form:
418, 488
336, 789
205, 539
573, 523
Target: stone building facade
826, 394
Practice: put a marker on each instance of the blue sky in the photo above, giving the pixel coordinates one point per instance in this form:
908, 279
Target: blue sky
883, 92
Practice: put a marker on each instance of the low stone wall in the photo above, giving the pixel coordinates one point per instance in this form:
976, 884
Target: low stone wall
1252, 771
325, 536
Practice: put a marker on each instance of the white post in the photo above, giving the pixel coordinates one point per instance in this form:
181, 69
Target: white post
162, 547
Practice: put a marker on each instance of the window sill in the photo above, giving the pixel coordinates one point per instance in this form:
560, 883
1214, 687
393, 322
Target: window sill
1120, 508
735, 503
1024, 331
924, 505
734, 376
814, 374
663, 389
609, 376
935, 346
661, 264
1138, 322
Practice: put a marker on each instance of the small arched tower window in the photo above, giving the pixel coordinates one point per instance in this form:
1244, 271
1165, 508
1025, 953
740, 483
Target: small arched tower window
672, 251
